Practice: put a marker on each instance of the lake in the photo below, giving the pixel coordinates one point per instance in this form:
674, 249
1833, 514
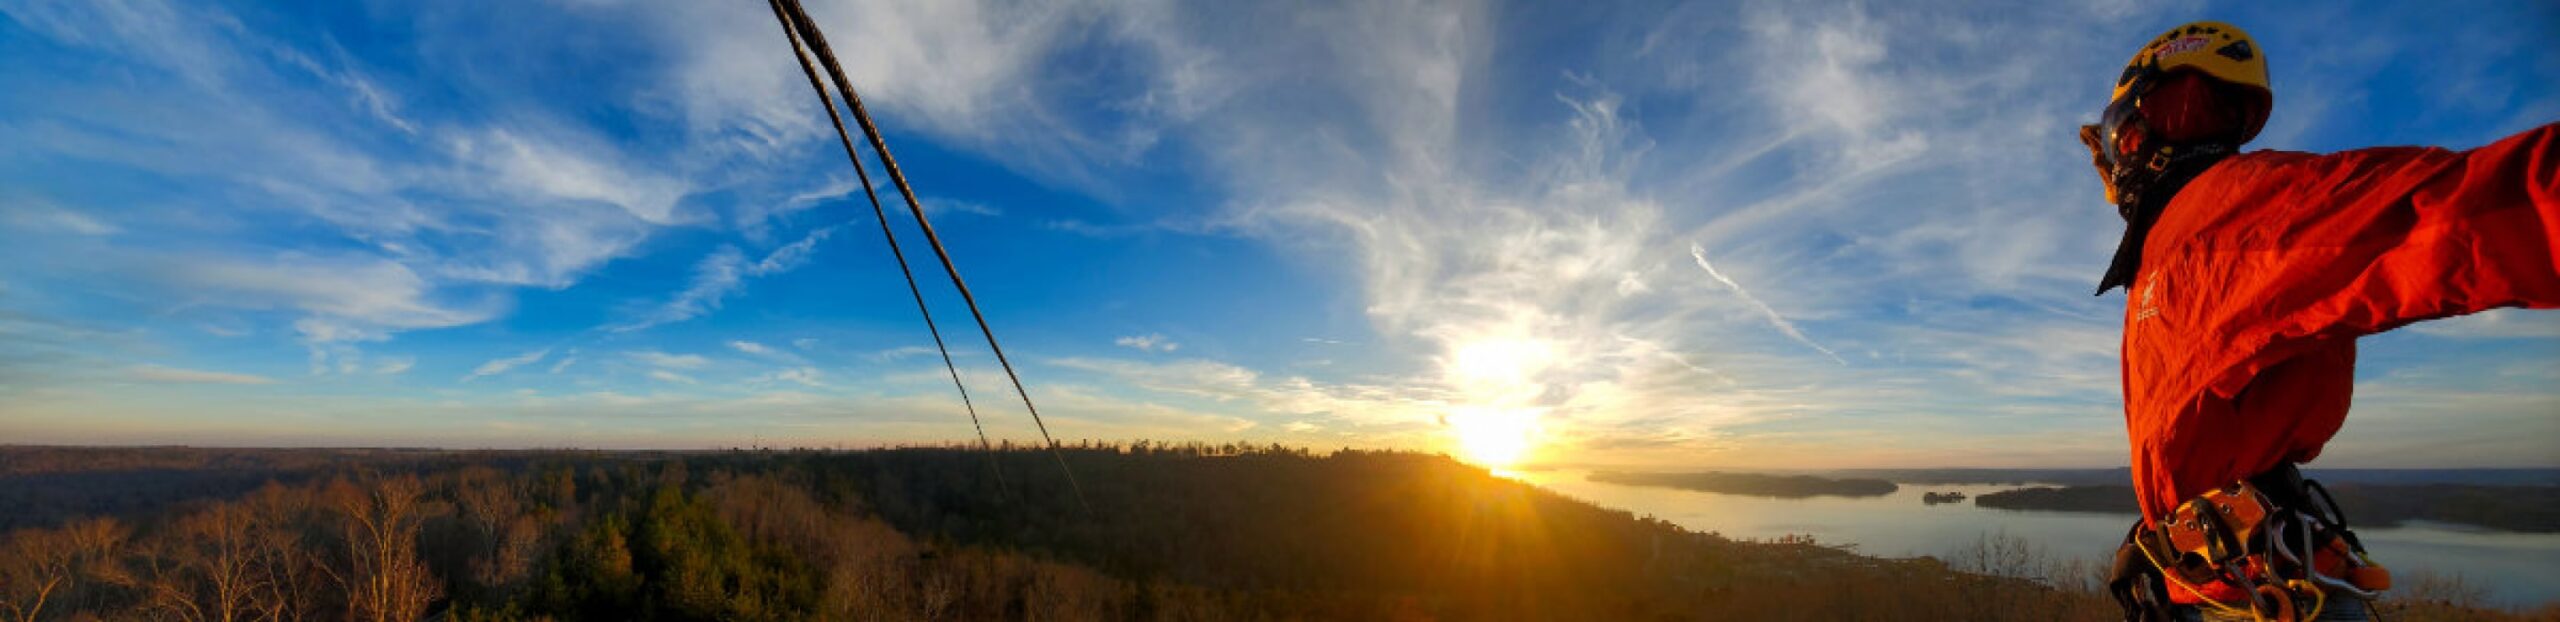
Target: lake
2516, 569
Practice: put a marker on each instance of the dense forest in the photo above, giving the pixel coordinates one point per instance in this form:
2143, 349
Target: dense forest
1143, 531
1754, 484
2529, 509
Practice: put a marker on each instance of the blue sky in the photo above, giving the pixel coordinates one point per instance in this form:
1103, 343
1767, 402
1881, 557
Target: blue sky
1762, 234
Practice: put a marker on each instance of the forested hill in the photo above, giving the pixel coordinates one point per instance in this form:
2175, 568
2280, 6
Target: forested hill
2120, 475
1191, 532
1754, 484
2529, 509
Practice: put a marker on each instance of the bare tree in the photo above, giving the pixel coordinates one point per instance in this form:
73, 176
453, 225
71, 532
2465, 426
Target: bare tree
494, 508
385, 579
291, 574
74, 568
35, 565
202, 570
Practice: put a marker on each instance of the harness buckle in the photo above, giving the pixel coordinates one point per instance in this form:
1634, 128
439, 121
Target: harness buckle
2285, 550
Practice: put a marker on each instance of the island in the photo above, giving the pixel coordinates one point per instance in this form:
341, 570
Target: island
2524, 508
1754, 484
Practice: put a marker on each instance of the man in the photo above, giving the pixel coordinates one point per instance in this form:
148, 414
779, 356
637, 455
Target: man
2249, 277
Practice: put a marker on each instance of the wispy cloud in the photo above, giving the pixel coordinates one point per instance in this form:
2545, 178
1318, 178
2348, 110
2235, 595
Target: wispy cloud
342, 301
662, 375
1150, 342
714, 278
723, 273
360, 90
502, 365
900, 352
369, 219
2496, 324
766, 352
347, 298
654, 358
938, 206
1390, 413
971, 72
549, 168
1700, 255
805, 376
41, 217
157, 373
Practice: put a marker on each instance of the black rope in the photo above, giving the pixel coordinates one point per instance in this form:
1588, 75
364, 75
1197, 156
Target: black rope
882, 214
793, 16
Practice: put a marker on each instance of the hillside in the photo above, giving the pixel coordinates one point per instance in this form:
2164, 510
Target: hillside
1191, 532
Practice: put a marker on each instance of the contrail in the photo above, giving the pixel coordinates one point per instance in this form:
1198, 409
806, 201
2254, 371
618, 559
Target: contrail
1784, 326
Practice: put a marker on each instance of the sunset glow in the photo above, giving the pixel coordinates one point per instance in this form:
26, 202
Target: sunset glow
1494, 437
1497, 380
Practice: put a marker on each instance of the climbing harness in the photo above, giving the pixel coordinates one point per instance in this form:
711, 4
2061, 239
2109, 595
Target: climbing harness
806, 40
2264, 536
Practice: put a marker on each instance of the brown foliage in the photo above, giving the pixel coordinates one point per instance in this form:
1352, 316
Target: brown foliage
385, 579
39, 565
505, 531
1178, 533
205, 568
290, 575
47, 573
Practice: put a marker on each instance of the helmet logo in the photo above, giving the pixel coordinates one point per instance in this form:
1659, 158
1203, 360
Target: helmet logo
2179, 46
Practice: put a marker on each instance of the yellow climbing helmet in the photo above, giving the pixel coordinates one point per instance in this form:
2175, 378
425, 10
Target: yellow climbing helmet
2187, 100
2193, 94
2220, 51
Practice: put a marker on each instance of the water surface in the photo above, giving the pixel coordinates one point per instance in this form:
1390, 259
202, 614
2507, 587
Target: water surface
2516, 569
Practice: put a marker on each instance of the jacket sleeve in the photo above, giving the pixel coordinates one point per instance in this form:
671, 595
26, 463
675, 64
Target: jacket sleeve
2366, 241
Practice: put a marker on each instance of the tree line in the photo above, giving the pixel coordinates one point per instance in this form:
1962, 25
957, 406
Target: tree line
1182, 531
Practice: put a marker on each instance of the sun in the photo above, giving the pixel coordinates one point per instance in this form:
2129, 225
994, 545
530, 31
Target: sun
1493, 420
1495, 438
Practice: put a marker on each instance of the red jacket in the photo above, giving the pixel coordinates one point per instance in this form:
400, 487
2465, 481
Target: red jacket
2240, 328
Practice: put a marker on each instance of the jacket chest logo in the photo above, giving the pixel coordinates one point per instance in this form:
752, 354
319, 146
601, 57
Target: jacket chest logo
2147, 305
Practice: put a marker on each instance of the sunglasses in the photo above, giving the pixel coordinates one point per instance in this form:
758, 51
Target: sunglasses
2117, 135
2119, 132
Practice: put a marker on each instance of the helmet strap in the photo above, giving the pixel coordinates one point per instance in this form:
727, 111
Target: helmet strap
2144, 191
2166, 169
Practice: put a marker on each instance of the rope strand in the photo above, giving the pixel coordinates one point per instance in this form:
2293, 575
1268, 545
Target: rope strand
882, 214
816, 41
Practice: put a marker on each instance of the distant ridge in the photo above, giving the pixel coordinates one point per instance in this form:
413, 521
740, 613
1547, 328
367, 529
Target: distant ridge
2517, 508
2119, 475
1754, 484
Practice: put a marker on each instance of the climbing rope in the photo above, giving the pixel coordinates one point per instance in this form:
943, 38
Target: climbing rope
882, 215
805, 38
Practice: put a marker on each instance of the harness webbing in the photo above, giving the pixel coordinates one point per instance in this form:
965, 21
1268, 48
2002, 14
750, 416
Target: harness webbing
805, 38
